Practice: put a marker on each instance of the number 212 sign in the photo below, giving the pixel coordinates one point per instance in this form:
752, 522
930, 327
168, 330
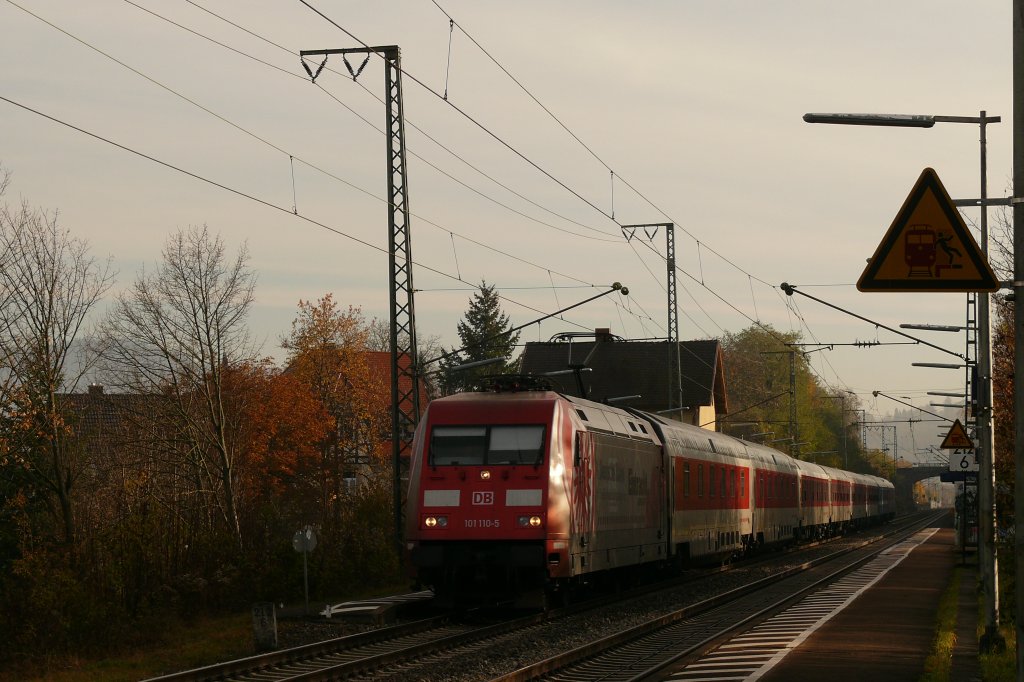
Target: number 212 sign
963, 460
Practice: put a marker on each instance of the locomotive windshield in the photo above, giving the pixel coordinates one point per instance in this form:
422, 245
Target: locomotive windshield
478, 445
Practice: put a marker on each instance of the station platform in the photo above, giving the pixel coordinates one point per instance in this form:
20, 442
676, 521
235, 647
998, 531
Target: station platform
878, 623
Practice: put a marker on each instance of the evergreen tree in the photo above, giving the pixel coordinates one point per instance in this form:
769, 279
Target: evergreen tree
483, 331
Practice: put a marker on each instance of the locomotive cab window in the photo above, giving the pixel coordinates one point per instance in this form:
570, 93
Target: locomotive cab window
516, 445
479, 445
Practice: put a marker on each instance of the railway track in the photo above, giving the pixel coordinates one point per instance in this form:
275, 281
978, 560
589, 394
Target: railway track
643, 651
349, 656
419, 650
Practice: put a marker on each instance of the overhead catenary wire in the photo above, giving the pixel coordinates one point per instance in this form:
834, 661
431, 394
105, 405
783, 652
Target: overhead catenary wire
550, 176
537, 166
251, 197
530, 162
582, 143
458, 274
755, 320
376, 127
469, 118
265, 141
618, 306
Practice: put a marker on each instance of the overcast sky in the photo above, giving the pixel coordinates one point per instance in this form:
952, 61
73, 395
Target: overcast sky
694, 105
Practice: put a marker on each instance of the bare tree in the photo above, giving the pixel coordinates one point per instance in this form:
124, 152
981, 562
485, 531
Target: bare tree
49, 283
1000, 248
177, 332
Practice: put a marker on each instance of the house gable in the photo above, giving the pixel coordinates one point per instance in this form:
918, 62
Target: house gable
618, 369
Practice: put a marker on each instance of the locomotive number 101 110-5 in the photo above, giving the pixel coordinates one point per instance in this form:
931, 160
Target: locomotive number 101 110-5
483, 523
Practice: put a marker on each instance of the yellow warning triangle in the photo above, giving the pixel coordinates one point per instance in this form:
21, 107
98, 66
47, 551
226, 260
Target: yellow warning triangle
928, 247
957, 438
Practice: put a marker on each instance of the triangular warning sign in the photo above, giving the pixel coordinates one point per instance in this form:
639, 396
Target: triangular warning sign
957, 438
928, 247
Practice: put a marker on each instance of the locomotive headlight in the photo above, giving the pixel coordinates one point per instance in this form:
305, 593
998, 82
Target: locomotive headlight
528, 521
436, 522
485, 475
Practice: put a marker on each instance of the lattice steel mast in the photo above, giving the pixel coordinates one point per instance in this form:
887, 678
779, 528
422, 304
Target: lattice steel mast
675, 393
405, 382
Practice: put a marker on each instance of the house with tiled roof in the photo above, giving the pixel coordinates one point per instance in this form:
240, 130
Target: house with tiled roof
683, 381
103, 421
380, 366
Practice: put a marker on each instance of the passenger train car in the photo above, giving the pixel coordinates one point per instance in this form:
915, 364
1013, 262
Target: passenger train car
514, 492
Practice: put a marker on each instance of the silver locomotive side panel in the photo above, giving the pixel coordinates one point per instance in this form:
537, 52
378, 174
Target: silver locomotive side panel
617, 491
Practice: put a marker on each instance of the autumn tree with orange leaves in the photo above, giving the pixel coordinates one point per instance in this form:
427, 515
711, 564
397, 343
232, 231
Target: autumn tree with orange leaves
276, 424
327, 352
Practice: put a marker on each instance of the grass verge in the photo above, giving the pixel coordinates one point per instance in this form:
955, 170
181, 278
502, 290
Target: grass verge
181, 647
939, 663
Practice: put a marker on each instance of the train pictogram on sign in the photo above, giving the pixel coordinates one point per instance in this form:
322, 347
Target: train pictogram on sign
957, 438
928, 247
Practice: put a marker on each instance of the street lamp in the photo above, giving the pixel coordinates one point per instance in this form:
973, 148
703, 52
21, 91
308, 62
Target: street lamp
892, 120
934, 327
986, 475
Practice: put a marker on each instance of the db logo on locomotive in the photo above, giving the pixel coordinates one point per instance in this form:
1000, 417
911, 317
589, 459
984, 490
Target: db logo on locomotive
483, 497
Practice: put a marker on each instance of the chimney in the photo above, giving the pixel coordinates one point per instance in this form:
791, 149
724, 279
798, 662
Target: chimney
603, 334
95, 389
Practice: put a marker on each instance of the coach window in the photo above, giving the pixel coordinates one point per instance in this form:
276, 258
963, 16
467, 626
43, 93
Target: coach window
711, 480
725, 480
700, 480
743, 482
686, 479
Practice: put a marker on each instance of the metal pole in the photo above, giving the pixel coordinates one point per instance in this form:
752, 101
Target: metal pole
405, 375
794, 448
305, 575
673, 310
895, 451
1018, 320
963, 521
988, 560
863, 431
842, 418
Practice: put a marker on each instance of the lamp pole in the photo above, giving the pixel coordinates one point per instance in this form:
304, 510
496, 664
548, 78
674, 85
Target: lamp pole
988, 560
1018, 318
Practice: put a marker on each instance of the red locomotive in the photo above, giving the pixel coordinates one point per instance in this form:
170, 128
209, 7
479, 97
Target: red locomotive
513, 494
